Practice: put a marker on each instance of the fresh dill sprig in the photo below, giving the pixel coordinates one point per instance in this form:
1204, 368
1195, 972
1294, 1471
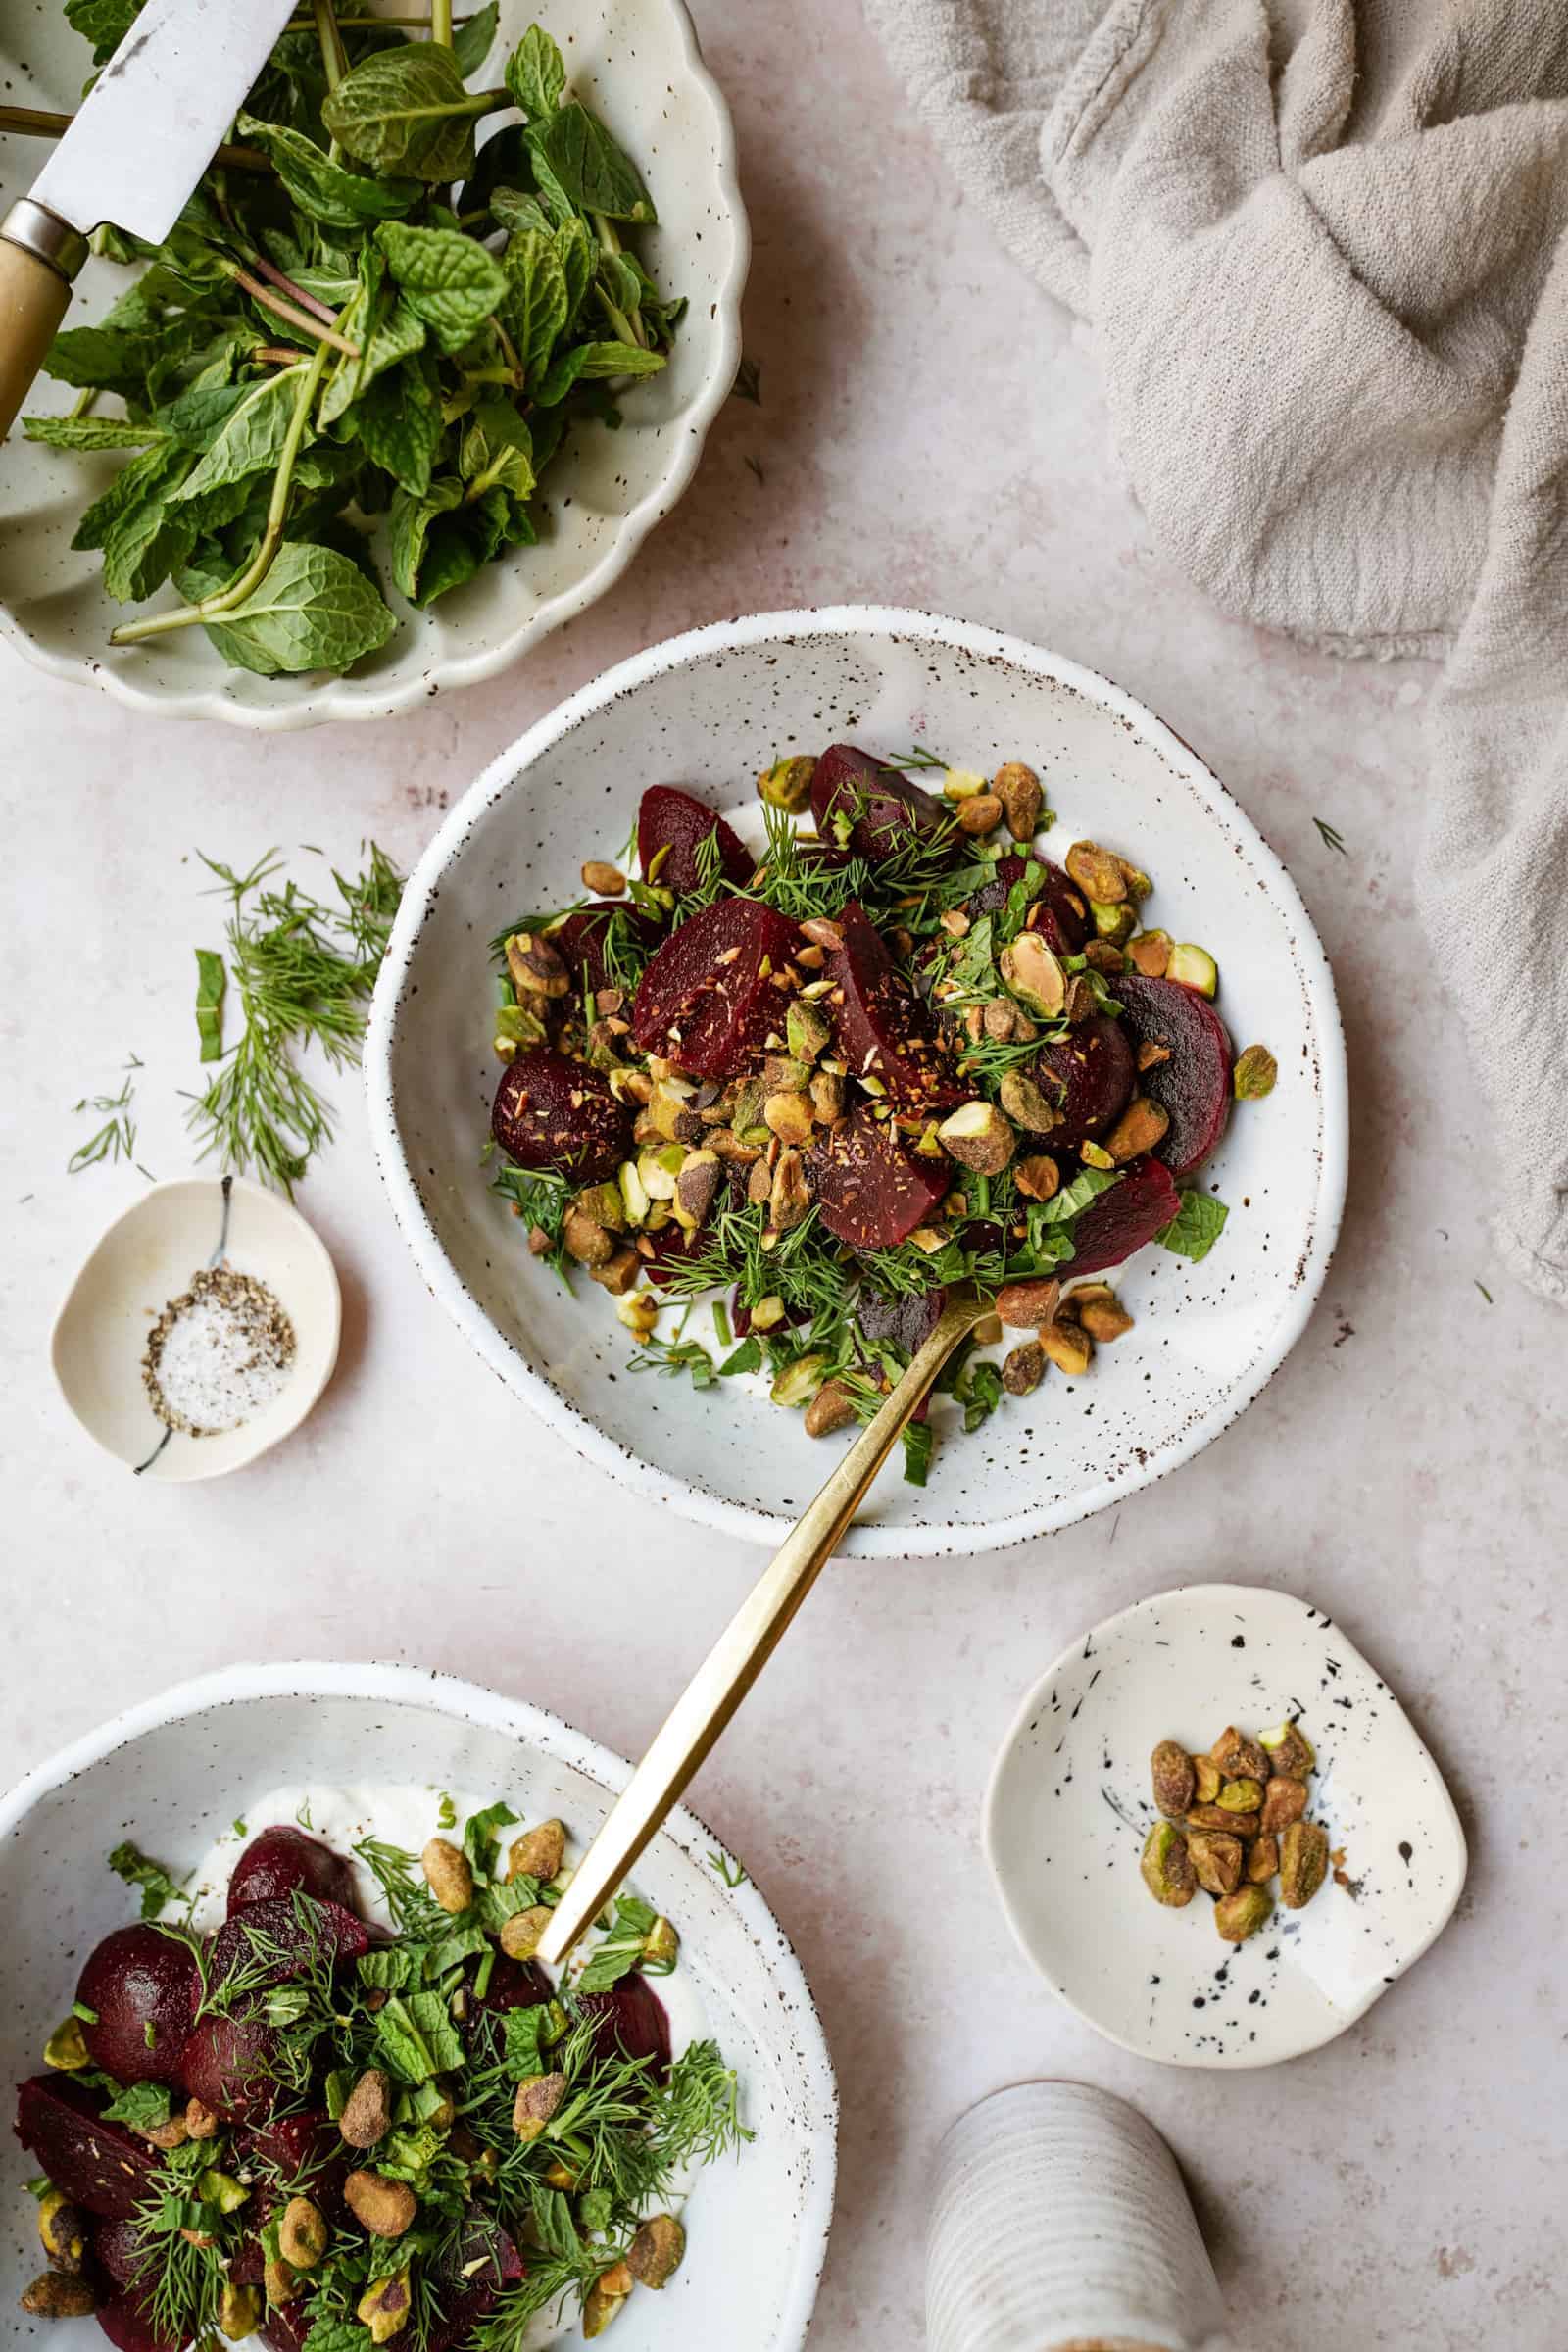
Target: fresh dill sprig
918, 757
303, 970
117, 1138
1331, 838
414, 1910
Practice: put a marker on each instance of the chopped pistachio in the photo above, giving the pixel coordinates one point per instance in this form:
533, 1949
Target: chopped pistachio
1033, 974
1303, 1862
1167, 1866
799, 1381
1239, 1915
787, 784
1170, 1770
1254, 1074
1193, 967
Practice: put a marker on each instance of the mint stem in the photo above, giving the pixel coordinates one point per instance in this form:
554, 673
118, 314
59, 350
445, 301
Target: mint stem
212, 608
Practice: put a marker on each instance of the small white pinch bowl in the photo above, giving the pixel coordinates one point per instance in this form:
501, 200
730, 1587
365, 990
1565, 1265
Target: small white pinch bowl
638, 65
1069, 1805
147, 1258
709, 709
175, 1771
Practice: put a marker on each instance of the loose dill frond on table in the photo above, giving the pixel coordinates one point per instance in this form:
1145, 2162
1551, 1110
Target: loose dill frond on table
117, 1138
300, 970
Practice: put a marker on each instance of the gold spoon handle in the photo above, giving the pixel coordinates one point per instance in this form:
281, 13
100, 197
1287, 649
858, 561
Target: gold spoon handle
736, 1660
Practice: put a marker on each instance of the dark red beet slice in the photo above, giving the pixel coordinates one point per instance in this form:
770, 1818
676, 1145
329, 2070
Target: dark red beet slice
707, 997
128, 2321
466, 2298
677, 823
1089, 1078
137, 1978
227, 2063
281, 1939
1058, 912
906, 1323
580, 941
101, 2167
872, 1190
551, 1113
119, 2249
632, 2023
1121, 1220
1195, 1085
273, 1864
885, 807
740, 1316
303, 2152
288, 2325
883, 1029
514, 1985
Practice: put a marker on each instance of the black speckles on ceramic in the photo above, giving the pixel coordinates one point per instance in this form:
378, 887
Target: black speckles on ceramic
710, 709
1069, 1808
172, 1773
637, 63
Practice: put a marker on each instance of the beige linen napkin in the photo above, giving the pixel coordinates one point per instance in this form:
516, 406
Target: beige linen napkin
1321, 243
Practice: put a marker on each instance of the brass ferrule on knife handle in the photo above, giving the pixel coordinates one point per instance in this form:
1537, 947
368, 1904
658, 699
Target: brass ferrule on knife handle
39, 255
744, 1647
42, 234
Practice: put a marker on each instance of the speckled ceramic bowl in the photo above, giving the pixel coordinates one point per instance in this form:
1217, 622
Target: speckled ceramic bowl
710, 709
175, 1771
1069, 1806
637, 61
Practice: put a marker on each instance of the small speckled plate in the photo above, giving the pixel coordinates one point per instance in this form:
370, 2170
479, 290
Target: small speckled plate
176, 1770
709, 711
147, 1258
1069, 1806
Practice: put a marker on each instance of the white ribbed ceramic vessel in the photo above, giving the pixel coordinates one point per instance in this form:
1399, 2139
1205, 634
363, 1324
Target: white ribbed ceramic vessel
1087, 2242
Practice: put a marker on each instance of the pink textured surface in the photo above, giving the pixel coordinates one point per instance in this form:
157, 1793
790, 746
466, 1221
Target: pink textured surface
931, 430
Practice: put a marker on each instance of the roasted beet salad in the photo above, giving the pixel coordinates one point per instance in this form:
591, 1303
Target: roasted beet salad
331, 2131
896, 1049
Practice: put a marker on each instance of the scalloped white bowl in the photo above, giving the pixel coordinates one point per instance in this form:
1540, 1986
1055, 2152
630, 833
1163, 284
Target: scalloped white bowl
172, 1772
637, 63
709, 709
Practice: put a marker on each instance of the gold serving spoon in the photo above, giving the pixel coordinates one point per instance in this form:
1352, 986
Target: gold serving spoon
746, 1644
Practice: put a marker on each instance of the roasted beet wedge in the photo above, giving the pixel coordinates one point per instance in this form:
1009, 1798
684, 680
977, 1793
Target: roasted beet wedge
280, 1859
883, 1029
287, 2329
514, 1985
480, 2266
1193, 1086
127, 2319
632, 2023
708, 998
884, 809
1057, 910
119, 2249
671, 826
908, 1322
556, 1114
1089, 1078
1121, 1220
303, 2152
872, 1190
229, 2065
276, 1941
145, 1988
580, 941
101, 2167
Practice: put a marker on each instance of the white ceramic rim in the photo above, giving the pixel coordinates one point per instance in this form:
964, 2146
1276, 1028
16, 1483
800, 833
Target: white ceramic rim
519, 1718
274, 1203
334, 700
1030, 1707
873, 1541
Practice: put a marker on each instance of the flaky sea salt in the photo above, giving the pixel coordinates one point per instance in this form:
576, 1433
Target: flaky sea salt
216, 1354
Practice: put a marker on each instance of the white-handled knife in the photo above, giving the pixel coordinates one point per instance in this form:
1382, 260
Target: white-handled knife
142, 140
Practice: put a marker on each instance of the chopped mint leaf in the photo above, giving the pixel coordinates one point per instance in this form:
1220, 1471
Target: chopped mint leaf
480, 1834
621, 1949
446, 1817
416, 2037
144, 2106
917, 1451
1196, 1227
158, 1888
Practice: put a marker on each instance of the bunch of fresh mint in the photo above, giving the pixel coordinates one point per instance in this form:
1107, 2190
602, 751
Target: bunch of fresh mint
357, 317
